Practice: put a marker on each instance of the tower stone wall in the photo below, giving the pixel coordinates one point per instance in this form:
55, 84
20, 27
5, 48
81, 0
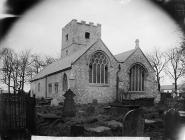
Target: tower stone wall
76, 35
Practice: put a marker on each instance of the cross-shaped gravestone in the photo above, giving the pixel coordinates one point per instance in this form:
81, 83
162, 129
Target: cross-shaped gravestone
133, 123
69, 104
171, 124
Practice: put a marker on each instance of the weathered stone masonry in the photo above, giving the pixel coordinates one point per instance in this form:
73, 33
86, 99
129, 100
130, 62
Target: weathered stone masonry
76, 52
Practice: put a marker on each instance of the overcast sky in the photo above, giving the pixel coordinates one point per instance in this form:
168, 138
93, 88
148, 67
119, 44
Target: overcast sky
39, 29
122, 22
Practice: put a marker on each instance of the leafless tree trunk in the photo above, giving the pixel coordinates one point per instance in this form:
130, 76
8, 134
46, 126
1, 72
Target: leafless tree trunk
176, 66
48, 60
7, 68
159, 61
37, 63
24, 62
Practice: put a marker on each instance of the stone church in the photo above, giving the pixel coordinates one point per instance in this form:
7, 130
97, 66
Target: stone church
91, 71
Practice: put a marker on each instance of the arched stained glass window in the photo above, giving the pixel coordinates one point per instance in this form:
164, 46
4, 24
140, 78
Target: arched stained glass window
65, 83
98, 69
137, 74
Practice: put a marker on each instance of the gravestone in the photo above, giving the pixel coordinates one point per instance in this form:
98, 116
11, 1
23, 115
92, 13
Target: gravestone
99, 131
69, 104
114, 124
90, 110
94, 101
171, 124
54, 102
77, 130
133, 123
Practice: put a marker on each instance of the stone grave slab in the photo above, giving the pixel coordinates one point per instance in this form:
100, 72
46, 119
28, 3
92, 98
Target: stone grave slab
114, 124
48, 116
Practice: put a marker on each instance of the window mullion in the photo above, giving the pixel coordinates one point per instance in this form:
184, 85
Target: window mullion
100, 73
104, 73
137, 78
92, 73
96, 72
141, 80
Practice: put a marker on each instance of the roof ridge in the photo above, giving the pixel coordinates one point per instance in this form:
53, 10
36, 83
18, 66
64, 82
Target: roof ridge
70, 60
122, 57
125, 51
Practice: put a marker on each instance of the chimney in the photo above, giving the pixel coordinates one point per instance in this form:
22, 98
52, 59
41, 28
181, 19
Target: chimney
137, 43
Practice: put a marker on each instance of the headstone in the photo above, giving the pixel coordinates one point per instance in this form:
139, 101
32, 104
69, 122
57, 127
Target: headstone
94, 101
90, 110
54, 102
77, 130
69, 104
99, 131
171, 124
114, 124
133, 123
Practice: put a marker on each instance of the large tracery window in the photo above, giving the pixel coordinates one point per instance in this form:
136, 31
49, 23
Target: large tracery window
98, 69
137, 74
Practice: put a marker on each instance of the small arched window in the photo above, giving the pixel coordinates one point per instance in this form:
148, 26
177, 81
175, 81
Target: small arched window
38, 87
137, 75
98, 69
87, 35
65, 83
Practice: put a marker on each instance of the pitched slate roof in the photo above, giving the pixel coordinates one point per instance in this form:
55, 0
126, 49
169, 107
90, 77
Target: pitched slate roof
123, 56
66, 62
62, 63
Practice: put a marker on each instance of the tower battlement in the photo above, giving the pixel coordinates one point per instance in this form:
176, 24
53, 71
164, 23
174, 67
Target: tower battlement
83, 23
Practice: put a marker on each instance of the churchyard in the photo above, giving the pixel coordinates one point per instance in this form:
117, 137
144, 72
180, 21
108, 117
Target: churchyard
95, 119
52, 118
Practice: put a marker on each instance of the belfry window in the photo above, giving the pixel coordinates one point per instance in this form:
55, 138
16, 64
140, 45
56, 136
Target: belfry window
137, 75
87, 35
66, 37
98, 69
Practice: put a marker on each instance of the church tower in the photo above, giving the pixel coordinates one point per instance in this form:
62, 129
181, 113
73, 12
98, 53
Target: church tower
76, 35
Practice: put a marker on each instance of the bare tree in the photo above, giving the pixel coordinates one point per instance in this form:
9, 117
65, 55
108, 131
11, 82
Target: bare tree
175, 66
15, 72
7, 69
24, 63
159, 61
3, 51
48, 60
38, 63
14, 68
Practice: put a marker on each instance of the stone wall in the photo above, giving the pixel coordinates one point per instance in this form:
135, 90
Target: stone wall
86, 91
150, 87
78, 78
50, 80
34, 88
76, 36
